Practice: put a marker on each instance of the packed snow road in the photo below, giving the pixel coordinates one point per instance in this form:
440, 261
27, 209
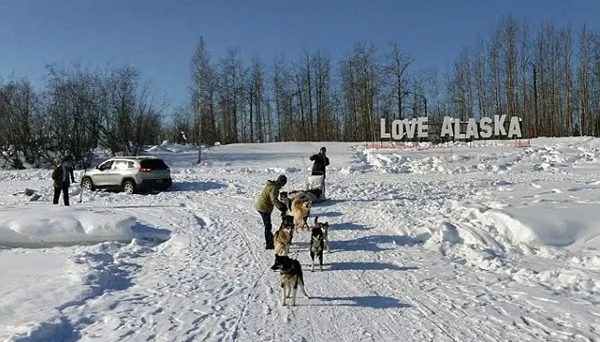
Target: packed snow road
414, 257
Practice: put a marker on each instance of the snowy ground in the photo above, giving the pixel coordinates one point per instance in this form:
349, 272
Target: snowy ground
482, 243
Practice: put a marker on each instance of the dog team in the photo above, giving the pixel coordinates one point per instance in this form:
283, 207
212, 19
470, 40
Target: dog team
299, 206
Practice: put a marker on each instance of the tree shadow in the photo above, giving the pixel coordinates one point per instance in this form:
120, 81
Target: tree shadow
326, 214
369, 266
124, 206
349, 226
373, 302
372, 243
196, 186
327, 203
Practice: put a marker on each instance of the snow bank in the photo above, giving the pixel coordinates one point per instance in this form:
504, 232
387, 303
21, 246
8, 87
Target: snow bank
47, 226
33, 285
572, 226
558, 157
554, 245
167, 147
39, 287
285, 157
543, 230
418, 163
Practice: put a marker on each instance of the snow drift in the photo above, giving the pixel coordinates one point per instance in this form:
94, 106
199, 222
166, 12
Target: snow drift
48, 226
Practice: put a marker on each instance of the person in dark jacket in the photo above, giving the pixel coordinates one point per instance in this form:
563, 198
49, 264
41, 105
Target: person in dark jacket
267, 201
62, 177
320, 162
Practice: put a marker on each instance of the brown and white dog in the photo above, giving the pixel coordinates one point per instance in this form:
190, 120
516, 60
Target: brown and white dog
282, 238
300, 211
291, 278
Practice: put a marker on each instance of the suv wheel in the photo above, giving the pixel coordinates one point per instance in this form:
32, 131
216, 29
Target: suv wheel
87, 184
128, 187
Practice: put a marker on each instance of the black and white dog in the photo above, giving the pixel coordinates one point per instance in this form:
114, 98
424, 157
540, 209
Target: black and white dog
317, 245
325, 229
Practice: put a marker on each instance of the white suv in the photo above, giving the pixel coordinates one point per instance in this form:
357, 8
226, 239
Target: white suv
129, 174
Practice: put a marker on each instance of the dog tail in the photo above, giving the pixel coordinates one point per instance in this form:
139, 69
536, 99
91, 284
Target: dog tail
316, 218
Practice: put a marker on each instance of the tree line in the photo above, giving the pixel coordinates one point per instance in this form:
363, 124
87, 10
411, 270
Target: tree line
78, 111
549, 76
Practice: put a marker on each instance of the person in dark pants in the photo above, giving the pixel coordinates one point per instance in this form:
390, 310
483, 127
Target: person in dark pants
63, 177
267, 201
320, 162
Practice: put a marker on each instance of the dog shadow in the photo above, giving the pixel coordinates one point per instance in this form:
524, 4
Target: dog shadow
326, 214
372, 243
368, 266
373, 302
300, 245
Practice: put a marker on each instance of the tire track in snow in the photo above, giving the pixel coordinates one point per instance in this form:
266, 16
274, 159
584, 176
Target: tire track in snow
346, 282
302, 315
241, 212
445, 328
87, 315
188, 271
238, 230
252, 294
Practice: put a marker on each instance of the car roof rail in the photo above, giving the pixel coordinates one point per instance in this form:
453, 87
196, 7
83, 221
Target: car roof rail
135, 157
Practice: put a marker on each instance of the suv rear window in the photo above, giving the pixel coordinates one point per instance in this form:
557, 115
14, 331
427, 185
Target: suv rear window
154, 164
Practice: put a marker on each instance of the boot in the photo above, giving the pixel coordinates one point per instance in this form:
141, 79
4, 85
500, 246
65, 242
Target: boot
269, 242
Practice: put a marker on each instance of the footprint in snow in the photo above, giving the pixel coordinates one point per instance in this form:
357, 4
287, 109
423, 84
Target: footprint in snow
267, 310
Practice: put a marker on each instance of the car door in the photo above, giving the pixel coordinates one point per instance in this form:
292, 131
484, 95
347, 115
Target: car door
101, 178
118, 171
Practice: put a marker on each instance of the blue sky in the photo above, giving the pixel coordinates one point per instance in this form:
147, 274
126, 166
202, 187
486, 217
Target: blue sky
158, 37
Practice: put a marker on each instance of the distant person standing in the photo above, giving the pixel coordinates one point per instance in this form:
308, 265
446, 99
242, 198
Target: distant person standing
320, 162
63, 177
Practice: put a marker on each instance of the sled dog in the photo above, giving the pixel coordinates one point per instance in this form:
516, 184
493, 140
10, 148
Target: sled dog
325, 228
290, 275
285, 199
287, 220
283, 236
300, 211
316, 247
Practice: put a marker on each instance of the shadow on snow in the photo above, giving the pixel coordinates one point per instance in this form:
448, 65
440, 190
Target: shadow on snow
369, 266
372, 243
373, 302
196, 186
349, 226
325, 215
